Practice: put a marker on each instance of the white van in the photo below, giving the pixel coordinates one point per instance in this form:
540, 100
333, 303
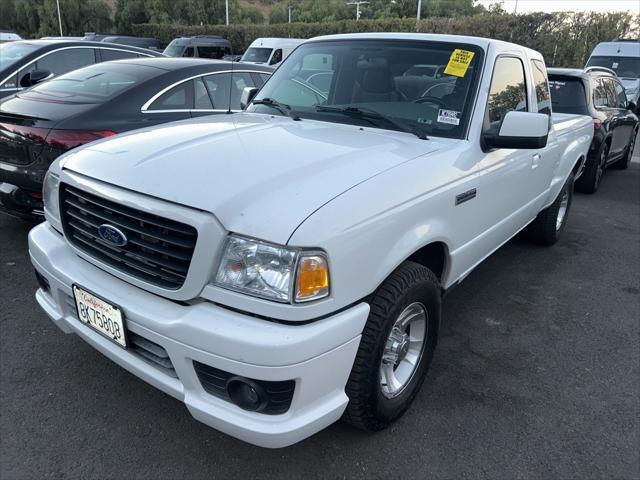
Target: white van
623, 57
8, 36
270, 51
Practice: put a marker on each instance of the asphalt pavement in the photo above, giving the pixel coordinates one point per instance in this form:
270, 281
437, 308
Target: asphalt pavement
536, 376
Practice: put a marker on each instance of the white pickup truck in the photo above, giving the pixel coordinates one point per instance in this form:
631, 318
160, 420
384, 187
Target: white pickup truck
283, 267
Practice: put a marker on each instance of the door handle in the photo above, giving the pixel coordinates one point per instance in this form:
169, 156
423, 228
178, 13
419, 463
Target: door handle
535, 160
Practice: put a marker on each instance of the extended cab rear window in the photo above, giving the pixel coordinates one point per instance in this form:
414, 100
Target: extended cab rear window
568, 95
94, 84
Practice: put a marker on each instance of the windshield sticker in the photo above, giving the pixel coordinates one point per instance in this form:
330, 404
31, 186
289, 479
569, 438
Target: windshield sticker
449, 116
615, 65
459, 62
425, 121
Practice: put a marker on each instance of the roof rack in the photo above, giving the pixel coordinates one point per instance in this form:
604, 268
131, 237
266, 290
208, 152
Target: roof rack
596, 68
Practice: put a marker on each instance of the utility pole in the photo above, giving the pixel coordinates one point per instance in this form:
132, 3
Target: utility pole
357, 4
226, 7
515, 10
419, 9
59, 17
289, 13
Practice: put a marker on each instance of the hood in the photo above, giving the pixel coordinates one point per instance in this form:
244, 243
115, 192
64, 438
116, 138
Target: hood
260, 175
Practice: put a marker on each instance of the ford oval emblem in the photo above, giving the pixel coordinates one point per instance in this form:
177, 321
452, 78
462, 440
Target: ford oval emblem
112, 235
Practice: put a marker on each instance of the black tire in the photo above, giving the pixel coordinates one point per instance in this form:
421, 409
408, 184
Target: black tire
544, 230
369, 409
624, 162
590, 180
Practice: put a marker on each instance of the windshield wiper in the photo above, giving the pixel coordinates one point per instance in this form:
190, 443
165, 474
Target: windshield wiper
369, 114
281, 107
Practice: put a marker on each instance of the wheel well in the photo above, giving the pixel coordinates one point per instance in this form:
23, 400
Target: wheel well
433, 256
576, 167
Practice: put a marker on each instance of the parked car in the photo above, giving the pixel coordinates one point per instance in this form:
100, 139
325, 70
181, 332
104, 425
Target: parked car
270, 51
200, 46
25, 63
623, 57
598, 93
283, 267
9, 36
39, 124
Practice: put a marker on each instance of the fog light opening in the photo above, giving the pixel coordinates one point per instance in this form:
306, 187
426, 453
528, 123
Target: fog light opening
246, 394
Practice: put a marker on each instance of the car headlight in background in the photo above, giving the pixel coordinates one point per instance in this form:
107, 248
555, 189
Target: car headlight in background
274, 272
50, 195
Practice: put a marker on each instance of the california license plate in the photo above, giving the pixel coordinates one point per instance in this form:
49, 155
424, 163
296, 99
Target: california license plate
100, 315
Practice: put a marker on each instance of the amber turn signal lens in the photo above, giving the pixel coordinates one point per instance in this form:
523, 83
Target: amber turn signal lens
313, 278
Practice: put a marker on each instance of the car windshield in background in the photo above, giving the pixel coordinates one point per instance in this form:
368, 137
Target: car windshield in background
11, 52
94, 84
258, 55
625, 67
568, 95
380, 83
173, 50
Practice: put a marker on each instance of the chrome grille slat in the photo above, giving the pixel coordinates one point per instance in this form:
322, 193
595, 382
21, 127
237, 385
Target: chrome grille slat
158, 250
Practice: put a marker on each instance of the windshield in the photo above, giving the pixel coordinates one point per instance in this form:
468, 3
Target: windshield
382, 76
258, 55
11, 52
94, 84
173, 50
628, 67
568, 95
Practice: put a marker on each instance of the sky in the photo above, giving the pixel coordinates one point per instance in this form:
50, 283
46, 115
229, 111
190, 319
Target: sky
524, 6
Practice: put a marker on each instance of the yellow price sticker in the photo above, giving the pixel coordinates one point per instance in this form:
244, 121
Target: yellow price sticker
459, 62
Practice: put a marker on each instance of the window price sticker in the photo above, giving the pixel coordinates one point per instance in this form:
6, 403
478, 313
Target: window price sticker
459, 62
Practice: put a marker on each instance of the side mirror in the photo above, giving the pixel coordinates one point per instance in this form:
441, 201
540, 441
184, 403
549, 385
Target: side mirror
34, 77
523, 130
247, 95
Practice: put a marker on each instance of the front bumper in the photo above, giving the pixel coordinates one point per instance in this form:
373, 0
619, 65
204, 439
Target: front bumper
318, 355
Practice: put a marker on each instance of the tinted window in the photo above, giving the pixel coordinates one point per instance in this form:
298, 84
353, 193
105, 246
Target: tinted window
541, 86
258, 55
219, 87
11, 52
568, 95
367, 74
277, 57
213, 52
508, 89
623, 66
202, 100
621, 96
179, 97
108, 55
94, 84
188, 52
64, 61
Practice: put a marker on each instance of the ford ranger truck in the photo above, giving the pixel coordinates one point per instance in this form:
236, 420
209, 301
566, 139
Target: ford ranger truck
283, 267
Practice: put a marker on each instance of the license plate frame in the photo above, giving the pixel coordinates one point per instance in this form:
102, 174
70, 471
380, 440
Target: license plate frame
115, 311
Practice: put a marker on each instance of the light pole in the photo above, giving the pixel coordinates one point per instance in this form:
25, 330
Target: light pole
419, 9
226, 8
59, 17
357, 4
289, 13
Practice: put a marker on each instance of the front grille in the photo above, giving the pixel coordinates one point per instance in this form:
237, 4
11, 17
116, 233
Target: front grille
158, 250
214, 382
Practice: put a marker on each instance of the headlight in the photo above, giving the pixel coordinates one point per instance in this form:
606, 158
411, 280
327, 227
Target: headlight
50, 195
273, 271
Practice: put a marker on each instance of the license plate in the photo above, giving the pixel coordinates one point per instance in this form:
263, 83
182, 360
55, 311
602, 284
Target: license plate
100, 315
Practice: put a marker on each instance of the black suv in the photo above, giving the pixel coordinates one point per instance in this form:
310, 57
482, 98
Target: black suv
597, 92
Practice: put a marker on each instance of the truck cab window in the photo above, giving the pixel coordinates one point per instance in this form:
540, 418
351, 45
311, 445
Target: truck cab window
277, 57
508, 90
542, 87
